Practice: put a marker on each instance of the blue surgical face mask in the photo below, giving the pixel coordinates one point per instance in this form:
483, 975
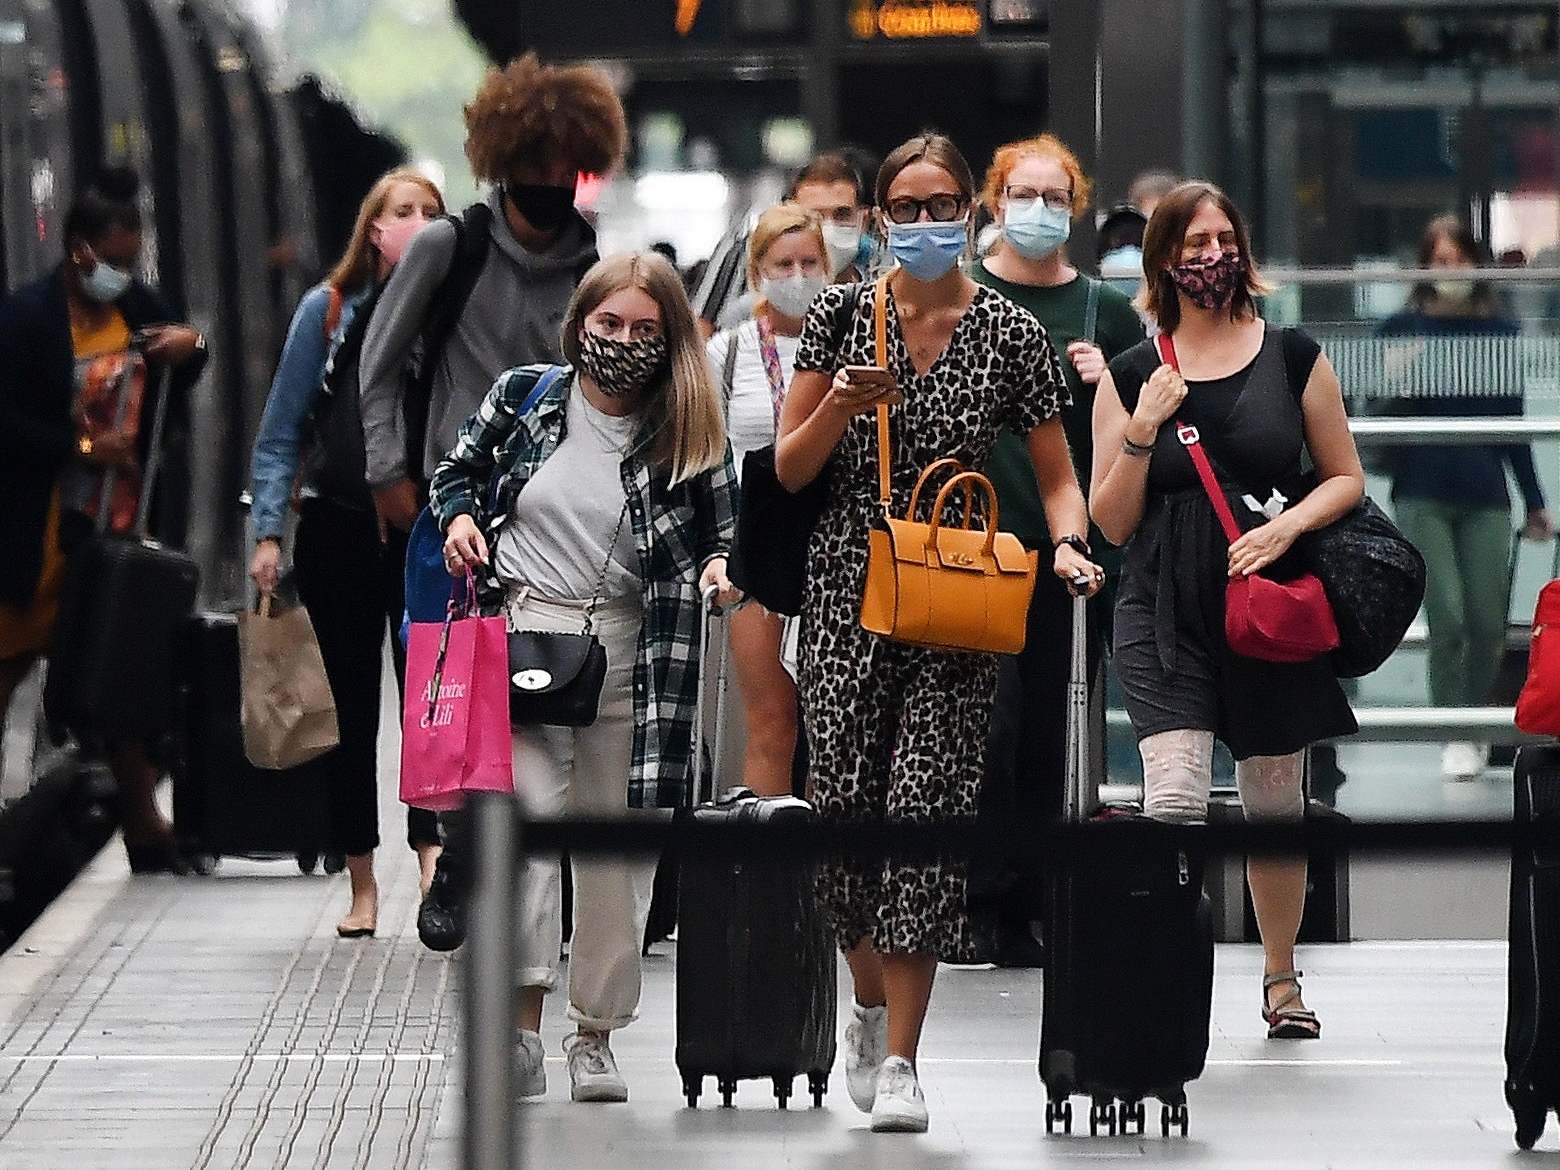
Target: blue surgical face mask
1034, 229
930, 250
105, 283
1126, 261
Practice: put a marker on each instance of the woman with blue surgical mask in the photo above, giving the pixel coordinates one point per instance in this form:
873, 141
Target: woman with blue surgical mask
1036, 191
789, 264
897, 732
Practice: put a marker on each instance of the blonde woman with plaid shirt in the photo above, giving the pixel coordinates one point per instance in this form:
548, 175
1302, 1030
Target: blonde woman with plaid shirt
613, 493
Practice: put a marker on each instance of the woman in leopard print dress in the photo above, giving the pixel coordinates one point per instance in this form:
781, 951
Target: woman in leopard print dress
897, 732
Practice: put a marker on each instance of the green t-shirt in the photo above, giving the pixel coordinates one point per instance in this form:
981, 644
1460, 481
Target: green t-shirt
1061, 310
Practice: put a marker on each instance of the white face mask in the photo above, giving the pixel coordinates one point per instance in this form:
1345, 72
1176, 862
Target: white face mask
843, 242
790, 295
105, 283
1454, 290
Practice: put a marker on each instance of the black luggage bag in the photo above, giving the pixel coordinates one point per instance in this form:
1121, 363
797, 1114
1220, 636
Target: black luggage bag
222, 804
124, 601
756, 962
1533, 973
1128, 986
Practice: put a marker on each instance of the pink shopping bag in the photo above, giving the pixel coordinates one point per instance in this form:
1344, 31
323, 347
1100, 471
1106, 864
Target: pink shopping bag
455, 734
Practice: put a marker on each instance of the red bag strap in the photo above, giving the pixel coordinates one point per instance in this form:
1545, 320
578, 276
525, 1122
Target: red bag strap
1192, 441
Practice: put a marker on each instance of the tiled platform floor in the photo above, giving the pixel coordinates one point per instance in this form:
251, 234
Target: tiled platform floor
163, 1023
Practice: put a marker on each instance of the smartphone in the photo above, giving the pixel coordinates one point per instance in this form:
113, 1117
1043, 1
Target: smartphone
866, 375
874, 384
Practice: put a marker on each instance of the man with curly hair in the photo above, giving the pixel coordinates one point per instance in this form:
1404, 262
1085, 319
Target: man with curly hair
511, 263
479, 294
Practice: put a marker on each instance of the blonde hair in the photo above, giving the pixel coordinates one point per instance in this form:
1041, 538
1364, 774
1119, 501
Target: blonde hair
779, 221
356, 268
682, 408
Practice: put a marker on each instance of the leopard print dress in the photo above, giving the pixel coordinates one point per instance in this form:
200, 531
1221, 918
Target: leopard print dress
896, 732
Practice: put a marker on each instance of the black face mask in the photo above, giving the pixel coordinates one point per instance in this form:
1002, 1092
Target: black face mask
545, 207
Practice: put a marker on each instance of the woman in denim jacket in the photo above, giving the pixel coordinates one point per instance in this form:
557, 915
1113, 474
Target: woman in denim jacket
348, 565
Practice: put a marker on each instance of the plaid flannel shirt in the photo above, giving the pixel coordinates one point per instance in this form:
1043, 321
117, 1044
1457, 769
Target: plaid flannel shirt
677, 531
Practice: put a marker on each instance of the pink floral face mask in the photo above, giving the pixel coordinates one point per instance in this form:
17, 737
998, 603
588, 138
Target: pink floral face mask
1210, 284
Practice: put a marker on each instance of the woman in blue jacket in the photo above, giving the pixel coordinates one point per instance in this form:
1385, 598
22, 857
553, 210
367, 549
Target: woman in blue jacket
348, 565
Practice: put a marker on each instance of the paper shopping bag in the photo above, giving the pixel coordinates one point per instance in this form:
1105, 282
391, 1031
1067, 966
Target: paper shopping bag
455, 724
287, 710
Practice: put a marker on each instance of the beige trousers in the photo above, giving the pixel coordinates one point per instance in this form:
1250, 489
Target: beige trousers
584, 771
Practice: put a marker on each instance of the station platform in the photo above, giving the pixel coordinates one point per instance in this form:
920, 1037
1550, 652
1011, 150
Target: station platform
164, 1023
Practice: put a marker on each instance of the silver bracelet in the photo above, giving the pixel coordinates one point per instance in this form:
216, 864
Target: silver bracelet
1136, 450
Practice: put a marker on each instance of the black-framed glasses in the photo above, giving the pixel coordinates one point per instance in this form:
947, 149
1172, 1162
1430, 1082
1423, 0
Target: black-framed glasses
941, 208
1055, 198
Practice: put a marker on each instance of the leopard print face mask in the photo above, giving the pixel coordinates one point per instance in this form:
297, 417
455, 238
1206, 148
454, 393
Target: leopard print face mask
621, 369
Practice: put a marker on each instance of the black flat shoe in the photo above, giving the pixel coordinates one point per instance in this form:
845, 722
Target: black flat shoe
163, 857
441, 919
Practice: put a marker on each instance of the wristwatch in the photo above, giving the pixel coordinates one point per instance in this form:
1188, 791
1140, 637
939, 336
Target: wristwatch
1077, 543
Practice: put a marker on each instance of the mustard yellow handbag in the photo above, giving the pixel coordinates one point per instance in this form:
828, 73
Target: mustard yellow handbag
931, 584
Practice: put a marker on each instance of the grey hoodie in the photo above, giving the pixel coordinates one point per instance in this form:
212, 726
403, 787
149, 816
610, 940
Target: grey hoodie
512, 319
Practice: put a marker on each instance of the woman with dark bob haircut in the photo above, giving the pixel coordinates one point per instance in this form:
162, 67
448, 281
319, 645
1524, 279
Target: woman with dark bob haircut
898, 732
1262, 399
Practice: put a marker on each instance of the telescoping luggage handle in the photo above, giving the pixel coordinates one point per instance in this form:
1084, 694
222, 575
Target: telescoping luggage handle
143, 509
708, 612
1080, 795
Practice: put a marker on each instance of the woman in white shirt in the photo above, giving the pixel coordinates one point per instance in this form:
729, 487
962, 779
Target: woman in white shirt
788, 265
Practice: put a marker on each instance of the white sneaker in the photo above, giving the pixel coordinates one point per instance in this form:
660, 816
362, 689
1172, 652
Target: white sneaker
900, 1106
866, 1044
1464, 761
530, 1066
593, 1072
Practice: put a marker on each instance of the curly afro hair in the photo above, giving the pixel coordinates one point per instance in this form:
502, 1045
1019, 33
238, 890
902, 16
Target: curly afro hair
528, 111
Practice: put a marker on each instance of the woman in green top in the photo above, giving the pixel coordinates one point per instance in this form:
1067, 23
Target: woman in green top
1036, 189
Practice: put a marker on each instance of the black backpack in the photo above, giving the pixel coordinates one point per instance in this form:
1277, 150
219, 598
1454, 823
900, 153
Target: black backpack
338, 465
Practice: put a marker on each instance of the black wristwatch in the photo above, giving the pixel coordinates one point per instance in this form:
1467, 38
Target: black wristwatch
1077, 543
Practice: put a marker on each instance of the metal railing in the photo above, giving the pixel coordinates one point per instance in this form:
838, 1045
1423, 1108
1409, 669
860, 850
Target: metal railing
492, 1131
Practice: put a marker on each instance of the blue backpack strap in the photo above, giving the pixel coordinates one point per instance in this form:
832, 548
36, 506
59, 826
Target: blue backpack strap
427, 579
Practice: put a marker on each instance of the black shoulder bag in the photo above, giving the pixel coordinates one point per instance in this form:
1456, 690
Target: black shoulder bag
769, 555
556, 678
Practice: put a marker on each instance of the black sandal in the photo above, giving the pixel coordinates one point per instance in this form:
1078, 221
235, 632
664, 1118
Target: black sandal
1285, 1022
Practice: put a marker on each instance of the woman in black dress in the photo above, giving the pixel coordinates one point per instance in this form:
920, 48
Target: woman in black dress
1262, 399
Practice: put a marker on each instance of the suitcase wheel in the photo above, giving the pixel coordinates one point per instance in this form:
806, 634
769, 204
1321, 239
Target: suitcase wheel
1530, 1112
1058, 1113
1175, 1116
692, 1087
1132, 1114
728, 1090
335, 863
1102, 1115
782, 1092
308, 862
818, 1086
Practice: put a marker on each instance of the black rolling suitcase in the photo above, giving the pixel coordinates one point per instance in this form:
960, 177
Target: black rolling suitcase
756, 965
1533, 1003
1129, 982
222, 804
124, 602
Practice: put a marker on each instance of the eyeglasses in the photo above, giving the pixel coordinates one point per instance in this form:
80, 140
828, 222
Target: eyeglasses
1055, 198
942, 208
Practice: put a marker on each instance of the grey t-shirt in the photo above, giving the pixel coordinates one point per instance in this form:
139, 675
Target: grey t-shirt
564, 518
